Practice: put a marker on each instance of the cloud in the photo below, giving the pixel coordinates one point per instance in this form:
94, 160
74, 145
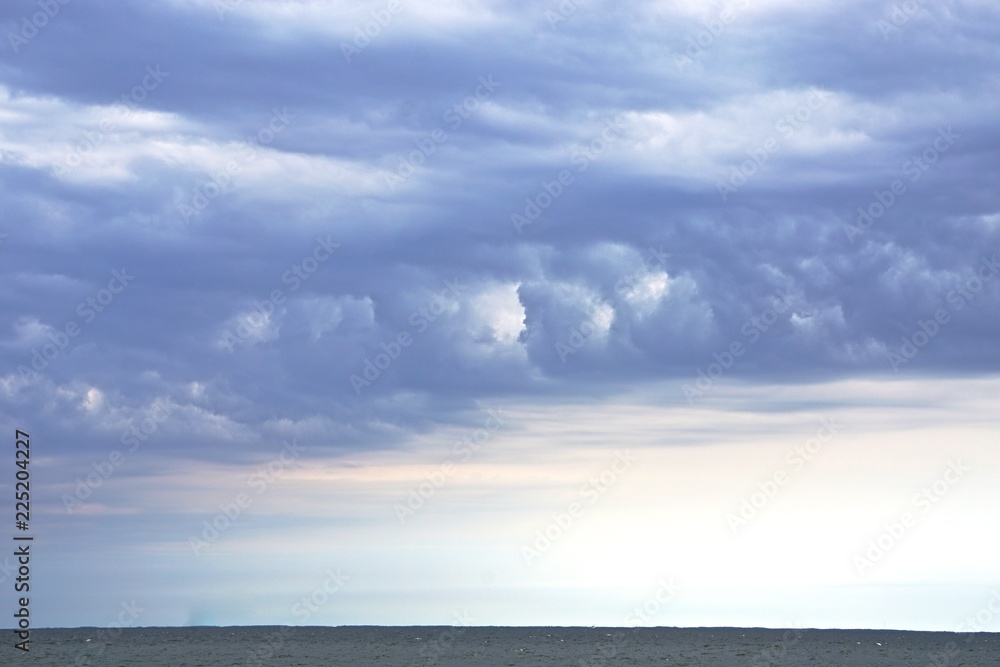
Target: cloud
482, 202
839, 138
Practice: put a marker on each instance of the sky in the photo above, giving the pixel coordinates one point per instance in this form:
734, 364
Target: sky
565, 312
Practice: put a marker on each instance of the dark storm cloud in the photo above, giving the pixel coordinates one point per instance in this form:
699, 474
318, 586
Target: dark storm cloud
635, 262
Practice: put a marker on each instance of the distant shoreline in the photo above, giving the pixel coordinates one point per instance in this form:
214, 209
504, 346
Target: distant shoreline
518, 627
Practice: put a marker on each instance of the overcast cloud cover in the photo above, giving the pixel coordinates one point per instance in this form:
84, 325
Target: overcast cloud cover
251, 238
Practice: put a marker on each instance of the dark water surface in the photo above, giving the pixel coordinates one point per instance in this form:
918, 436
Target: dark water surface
447, 646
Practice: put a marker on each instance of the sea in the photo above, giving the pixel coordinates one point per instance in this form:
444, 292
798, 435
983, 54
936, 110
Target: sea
287, 646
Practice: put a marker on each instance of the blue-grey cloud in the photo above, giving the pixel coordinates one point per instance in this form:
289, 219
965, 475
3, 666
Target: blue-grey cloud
674, 195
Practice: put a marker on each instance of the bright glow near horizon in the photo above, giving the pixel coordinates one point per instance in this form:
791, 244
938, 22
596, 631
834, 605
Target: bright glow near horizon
697, 509
563, 313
